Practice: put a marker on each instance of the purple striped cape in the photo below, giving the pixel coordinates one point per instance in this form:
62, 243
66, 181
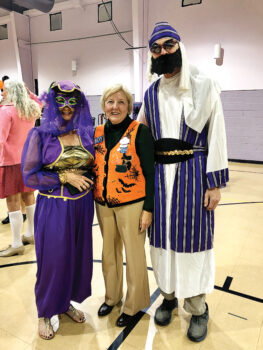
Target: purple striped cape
191, 226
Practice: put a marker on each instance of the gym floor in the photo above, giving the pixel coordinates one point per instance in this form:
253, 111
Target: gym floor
236, 309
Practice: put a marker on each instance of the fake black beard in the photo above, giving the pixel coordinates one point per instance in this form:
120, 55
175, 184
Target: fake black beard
167, 63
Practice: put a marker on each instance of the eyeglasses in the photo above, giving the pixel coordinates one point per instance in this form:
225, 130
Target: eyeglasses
167, 45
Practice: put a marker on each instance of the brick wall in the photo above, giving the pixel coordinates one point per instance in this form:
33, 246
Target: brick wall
243, 112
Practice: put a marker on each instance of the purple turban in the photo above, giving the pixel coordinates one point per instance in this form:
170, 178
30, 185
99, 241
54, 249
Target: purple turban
162, 30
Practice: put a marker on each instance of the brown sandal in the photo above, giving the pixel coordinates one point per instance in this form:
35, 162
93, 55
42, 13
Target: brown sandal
45, 326
76, 315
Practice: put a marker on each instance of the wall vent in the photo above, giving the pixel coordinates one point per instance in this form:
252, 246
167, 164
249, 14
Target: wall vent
3, 32
55, 21
105, 11
191, 2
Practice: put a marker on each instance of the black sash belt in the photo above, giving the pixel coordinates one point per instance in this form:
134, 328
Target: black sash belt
168, 151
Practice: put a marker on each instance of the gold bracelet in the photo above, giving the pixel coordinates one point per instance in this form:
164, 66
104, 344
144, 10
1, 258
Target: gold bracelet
63, 177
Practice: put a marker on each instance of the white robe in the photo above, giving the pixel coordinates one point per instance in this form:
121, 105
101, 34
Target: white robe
185, 274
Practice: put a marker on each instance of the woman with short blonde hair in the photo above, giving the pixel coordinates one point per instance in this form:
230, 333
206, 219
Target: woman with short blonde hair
123, 191
112, 90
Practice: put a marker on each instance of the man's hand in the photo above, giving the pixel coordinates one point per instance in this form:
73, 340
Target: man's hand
212, 198
145, 220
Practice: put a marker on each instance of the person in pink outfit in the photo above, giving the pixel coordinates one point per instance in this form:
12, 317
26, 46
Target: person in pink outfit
17, 117
23, 207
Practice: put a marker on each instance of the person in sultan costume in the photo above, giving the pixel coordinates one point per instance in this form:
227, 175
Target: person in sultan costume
184, 113
55, 160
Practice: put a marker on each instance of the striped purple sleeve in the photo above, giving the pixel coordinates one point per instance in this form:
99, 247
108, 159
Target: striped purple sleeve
217, 178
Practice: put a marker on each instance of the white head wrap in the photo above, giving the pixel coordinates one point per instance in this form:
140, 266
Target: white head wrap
198, 92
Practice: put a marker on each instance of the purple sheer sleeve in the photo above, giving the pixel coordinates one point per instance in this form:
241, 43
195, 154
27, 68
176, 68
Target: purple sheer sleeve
34, 175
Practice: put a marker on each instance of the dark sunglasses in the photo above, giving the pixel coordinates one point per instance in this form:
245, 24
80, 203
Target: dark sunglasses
167, 45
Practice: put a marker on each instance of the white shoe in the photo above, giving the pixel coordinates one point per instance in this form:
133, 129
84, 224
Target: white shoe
10, 251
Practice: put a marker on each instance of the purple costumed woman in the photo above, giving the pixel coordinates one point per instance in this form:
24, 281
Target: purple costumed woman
56, 160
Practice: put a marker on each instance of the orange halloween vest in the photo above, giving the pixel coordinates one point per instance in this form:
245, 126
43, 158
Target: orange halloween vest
124, 181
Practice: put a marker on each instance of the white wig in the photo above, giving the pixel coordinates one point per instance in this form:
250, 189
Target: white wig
198, 92
17, 94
